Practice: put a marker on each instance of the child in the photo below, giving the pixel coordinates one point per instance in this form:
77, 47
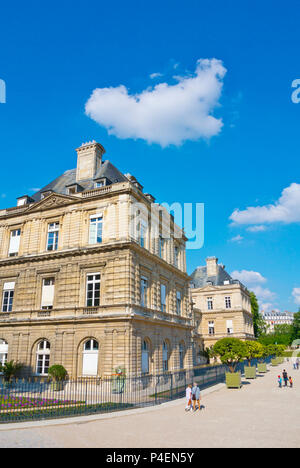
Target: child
279, 381
291, 382
188, 394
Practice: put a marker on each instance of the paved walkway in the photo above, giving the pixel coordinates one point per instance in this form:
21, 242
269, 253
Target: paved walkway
259, 415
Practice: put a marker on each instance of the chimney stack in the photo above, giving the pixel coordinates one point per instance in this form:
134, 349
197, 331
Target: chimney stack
212, 266
89, 159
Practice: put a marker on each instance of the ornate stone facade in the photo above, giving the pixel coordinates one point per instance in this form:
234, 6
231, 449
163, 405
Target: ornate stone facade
78, 274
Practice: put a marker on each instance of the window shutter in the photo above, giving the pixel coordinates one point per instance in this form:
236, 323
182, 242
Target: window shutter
93, 233
48, 295
14, 243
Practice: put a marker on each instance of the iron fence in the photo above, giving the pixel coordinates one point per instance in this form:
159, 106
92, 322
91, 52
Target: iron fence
35, 398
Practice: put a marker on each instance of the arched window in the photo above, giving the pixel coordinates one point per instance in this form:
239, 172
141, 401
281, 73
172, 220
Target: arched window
43, 357
145, 357
165, 356
90, 358
3, 352
181, 356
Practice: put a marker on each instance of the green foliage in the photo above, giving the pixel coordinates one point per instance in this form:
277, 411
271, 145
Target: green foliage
282, 335
254, 350
276, 350
10, 369
231, 351
57, 372
259, 325
295, 331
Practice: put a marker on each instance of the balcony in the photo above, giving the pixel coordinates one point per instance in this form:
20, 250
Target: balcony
86, 313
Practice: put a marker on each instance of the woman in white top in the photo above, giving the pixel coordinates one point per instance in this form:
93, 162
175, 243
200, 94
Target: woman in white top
188, 394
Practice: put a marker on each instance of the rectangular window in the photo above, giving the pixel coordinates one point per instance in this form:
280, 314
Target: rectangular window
210, 304
93, 290
161, 247
176, 257
141, 233
163, 293
52, 239
144, 292
8, 296
96, 226
178, 302
47, 293
229, 327
211, 328
228, 302
14, 243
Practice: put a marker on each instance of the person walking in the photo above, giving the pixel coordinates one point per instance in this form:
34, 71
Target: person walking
285, 377
188, 394
196, 396
279, 381
291, 382
297, 364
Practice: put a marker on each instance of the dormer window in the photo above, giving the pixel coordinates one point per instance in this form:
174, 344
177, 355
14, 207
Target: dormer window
98, 183
72, 189
24, 200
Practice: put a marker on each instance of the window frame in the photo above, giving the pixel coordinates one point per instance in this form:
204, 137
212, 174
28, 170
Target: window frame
97, 221
43, 358
54, 239
93, 282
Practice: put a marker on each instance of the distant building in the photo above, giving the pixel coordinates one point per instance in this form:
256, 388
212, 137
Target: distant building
221, 304
277, 318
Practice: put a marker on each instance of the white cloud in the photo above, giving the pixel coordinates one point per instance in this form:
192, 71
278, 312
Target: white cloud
266, 306
263, 294
237, 239
164, 114
257, 229
285, 210
253, 280
155, 75
248, 277
296, 295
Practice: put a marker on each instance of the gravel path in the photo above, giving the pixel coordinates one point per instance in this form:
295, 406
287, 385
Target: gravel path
259, 415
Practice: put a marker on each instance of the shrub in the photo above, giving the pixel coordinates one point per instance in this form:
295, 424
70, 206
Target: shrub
57, 372
10, 369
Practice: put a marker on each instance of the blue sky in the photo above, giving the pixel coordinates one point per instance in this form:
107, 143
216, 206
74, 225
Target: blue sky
53, 57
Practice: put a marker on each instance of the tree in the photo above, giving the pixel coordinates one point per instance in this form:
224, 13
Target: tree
254, 350
231, 351
259, 325
295, 332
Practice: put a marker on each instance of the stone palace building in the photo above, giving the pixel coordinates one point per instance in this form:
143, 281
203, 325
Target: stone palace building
89, 280
93, 277
222, 306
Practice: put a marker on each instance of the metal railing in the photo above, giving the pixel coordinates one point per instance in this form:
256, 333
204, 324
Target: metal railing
37, 398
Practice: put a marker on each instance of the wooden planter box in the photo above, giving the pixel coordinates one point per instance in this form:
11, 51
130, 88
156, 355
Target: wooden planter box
274, 362
262, 368
233, 380
250, 372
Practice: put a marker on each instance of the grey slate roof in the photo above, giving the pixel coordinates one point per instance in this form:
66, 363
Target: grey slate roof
200, 278
60, 184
